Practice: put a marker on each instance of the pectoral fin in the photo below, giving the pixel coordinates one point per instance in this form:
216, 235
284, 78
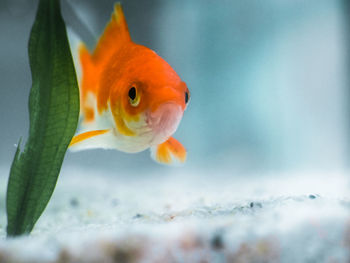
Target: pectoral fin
170, 152
90, 139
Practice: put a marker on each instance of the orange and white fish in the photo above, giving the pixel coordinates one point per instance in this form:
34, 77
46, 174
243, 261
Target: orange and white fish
131, 99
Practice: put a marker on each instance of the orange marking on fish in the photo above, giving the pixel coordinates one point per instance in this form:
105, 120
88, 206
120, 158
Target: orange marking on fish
121, 126
89, 114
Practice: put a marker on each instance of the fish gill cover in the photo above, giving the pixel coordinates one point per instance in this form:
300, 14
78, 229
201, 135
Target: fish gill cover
54, 113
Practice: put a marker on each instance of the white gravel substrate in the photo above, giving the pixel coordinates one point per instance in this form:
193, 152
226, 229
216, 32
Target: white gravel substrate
188, 216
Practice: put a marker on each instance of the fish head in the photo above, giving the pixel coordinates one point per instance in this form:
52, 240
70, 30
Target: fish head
149, 100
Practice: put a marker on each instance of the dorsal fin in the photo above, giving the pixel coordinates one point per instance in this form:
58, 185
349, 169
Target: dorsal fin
115, 36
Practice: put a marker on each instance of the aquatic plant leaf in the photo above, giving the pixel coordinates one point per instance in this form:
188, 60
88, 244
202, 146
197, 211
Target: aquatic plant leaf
53, 113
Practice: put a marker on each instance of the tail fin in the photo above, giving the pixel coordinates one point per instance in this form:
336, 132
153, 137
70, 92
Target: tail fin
115, 36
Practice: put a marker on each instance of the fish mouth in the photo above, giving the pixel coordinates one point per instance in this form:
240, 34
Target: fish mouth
164, 121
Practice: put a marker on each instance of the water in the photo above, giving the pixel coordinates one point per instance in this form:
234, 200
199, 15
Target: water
267, 80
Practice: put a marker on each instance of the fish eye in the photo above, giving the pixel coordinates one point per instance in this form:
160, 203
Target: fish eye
132, 93
187, 97
134, 98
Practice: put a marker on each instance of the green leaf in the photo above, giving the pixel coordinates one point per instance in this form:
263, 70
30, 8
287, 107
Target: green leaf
54, 113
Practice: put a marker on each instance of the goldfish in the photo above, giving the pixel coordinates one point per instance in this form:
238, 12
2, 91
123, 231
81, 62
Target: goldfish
131, 99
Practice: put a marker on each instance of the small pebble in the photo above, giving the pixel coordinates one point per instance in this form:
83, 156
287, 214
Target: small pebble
137, 216
115, 202
257, 204
74, 202
312, 196
217, 242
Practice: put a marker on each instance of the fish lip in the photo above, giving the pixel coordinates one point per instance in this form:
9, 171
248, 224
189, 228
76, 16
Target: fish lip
164, 121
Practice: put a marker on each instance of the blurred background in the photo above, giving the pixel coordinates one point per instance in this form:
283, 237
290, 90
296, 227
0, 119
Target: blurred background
268, 79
